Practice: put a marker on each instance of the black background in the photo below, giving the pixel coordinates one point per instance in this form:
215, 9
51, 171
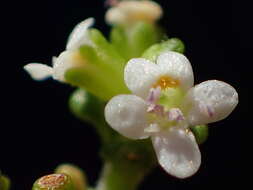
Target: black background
37, 131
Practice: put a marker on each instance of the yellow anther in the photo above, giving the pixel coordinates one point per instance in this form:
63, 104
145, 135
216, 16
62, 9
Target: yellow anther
166, 82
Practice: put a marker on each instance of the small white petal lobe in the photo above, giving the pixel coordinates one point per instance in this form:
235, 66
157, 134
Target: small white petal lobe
39, 71
79, 35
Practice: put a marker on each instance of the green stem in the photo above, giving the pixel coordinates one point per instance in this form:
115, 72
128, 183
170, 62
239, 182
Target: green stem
113, 177
126, 164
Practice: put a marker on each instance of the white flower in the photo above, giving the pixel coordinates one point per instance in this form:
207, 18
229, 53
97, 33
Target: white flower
67, 59
126, 12
163, 106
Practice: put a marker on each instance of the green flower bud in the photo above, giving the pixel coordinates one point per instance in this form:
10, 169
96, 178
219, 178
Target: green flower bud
132, 41
142, 36
118, 38
77, 175
86, 106
200, 132
54, 182
4, 182
173, 44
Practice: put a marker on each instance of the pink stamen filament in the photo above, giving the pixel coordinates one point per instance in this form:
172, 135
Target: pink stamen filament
175, 114
154, 95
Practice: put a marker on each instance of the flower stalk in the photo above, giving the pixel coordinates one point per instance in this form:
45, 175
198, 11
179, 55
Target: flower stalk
114, 177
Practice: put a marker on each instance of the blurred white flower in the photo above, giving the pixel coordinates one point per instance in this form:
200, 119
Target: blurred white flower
126, 12
68, 59
163, 106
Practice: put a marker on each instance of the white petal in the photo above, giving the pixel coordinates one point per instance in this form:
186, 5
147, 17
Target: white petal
54, 59
127, 115
79, 35
152, 128
177, 152
140, 74
178, 67
39, 71
210, 101
65, 61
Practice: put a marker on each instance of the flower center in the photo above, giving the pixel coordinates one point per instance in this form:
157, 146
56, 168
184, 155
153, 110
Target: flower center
164, 108
166, 82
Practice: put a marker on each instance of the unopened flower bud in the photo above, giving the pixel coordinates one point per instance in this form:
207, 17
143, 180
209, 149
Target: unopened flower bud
54, 182
127, 12
77, 175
